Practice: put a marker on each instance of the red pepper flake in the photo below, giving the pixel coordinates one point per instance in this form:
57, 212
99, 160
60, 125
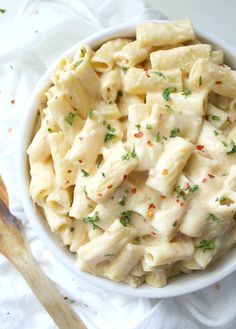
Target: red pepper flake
199, 147
133, 190
218, 82
177, 200
206, 116
69, 171
109, 186
211, 176
186, 185
139, 134
124, 177
13, 101
151, 206
181, 204
228, 120
99, 194
81, 161
162, 196
204, 180
81, 138
149, 143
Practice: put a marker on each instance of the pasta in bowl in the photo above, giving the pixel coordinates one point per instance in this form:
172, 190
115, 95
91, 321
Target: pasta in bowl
132, 160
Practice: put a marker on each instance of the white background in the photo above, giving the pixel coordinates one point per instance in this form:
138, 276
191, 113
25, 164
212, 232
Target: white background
216, 16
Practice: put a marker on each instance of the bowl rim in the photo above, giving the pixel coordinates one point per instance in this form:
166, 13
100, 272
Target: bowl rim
190, 283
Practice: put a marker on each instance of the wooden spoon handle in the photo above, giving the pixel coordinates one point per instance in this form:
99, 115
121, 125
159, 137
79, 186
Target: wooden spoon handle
43, 288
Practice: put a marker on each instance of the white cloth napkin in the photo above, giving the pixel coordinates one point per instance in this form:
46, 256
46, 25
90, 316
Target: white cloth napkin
42, 31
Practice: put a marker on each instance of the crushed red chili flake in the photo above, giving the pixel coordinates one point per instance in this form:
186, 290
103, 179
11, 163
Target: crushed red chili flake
154, 233
149, 143
109, 186
211, 176
186, 185
218, 82
124, 177
206, 116
12, 101
151, 206
162, 196
99, 194
199, 147
81, 138
133, 190
80, 161
177, 200
181, 204
69, 171
146, 72
139, 134
204, 180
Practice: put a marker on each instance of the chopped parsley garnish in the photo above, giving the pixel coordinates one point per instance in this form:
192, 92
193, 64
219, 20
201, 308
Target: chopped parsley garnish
148, 126
122, 201
2, 11
221, 199
200, 80
138, 126
50, 130
225, 144
70, 118
174, 224
168, 108
83, 51
85, 191
216, 133
125, 217
103, 174
215, 118
157, 137
186, 92
182, 192
109, 255
119, 93
206, 245
174, 132
129, 154
91, 114
166, 93
110, 134
233, 149
92, 219
78, 62
159, 73
89, 205
124, 69
72, 229
213, 218
85, 173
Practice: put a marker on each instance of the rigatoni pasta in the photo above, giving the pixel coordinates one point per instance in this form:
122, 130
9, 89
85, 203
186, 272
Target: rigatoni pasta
133, 156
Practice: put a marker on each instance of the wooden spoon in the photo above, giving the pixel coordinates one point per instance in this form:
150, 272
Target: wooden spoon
13, 246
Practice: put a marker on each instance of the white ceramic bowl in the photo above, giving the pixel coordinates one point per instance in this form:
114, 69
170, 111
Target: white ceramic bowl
179, 285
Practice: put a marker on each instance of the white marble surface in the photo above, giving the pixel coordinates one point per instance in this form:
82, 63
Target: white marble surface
216, 16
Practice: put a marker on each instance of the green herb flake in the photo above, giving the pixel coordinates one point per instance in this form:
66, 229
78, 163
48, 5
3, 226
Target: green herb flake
206, 245
72, 301
70, 118
125, 217
91, 114
159, 73
109, 255
85, 191
124, 69
225, 144
157, 137
83, 51
119, 93
182, 192
50, 130
166, 93
213, 218
138, 126
233, 149
129, 154
110, 134
168, 108
103, 174
174, 132
148, 126
2, 11
186, 92
78, 62
200, 80
89, 205
215, 118
72, 229
216, 133
85, 173
174, 224
122, 201
92, 219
